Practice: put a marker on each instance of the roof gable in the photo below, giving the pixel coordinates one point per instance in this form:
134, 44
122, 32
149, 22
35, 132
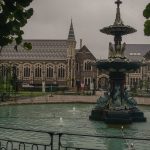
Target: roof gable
85, 51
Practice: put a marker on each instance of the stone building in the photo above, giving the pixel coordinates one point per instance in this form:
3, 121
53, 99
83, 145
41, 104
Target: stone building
58, 62
138, 52
50, 62
86, 72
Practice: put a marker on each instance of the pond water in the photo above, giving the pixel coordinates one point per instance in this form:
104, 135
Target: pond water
73, 118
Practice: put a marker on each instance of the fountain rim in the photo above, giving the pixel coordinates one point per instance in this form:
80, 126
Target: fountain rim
118, 29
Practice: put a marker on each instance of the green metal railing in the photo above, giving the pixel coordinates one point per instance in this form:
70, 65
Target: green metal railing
54, 140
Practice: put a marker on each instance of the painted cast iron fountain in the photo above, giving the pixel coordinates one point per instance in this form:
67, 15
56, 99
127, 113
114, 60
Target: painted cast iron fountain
116, 106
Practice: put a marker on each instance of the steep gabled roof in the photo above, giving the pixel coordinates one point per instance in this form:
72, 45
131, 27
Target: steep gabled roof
41, 50
136, 51
84, 49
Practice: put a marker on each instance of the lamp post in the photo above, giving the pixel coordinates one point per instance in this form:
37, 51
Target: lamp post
43, 82
51, 89
32, 81
14, 78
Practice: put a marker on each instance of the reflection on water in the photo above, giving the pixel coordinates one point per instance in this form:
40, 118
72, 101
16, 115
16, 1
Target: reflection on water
73, 118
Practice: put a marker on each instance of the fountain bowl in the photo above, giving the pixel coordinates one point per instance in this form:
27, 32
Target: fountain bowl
120, 116
118, 65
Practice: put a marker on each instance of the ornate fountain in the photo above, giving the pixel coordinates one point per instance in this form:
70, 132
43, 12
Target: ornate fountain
116, 106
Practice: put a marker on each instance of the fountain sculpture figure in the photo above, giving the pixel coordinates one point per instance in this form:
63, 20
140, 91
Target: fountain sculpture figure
116, 106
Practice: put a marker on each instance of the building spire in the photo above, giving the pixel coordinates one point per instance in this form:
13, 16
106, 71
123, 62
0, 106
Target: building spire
118, 20
71, 35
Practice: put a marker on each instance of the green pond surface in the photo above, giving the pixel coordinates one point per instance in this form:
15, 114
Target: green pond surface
72, 118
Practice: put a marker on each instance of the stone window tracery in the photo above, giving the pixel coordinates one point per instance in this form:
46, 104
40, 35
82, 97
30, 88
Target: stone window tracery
61, 71
38, 70
49, 71
17, 70
26, 70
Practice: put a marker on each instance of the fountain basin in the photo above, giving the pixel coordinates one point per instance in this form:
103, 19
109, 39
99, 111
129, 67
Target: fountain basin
41, 117
124, 116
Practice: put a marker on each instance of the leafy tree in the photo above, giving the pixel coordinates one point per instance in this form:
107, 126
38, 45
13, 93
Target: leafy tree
13, 16
141, 84
146, 14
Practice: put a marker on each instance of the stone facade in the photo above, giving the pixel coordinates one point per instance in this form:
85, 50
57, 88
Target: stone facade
59, 62
86, 72
50, 62
138, 52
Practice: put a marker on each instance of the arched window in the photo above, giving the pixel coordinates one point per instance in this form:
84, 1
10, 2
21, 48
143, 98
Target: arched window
61, 71
26, 70
15, 67
148, 67
87, 65
4, 70
38, 71
49, 71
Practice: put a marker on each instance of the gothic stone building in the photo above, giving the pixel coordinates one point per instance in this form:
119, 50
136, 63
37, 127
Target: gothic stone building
139, 52
51, 62
59, 62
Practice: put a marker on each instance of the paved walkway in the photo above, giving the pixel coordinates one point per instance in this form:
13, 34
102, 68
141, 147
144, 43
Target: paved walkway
66, 99
143, 100
54, 99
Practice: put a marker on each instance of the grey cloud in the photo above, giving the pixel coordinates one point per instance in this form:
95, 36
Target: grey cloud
51, 20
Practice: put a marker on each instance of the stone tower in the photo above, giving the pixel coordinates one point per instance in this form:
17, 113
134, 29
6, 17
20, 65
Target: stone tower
71, 57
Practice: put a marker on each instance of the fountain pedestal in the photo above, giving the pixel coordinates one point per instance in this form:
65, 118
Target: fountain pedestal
117, 106
120, 116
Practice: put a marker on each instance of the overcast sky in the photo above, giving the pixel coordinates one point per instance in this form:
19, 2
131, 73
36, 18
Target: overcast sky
51, 20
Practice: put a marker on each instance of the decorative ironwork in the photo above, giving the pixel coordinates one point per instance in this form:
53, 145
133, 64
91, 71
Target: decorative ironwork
55, 140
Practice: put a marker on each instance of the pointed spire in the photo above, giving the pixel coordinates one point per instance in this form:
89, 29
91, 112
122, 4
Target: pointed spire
71, 35
118, 20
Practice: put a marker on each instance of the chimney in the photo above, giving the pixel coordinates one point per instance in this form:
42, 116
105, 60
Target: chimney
80, 43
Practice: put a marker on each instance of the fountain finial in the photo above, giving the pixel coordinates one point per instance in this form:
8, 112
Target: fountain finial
118, 20
118, 2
